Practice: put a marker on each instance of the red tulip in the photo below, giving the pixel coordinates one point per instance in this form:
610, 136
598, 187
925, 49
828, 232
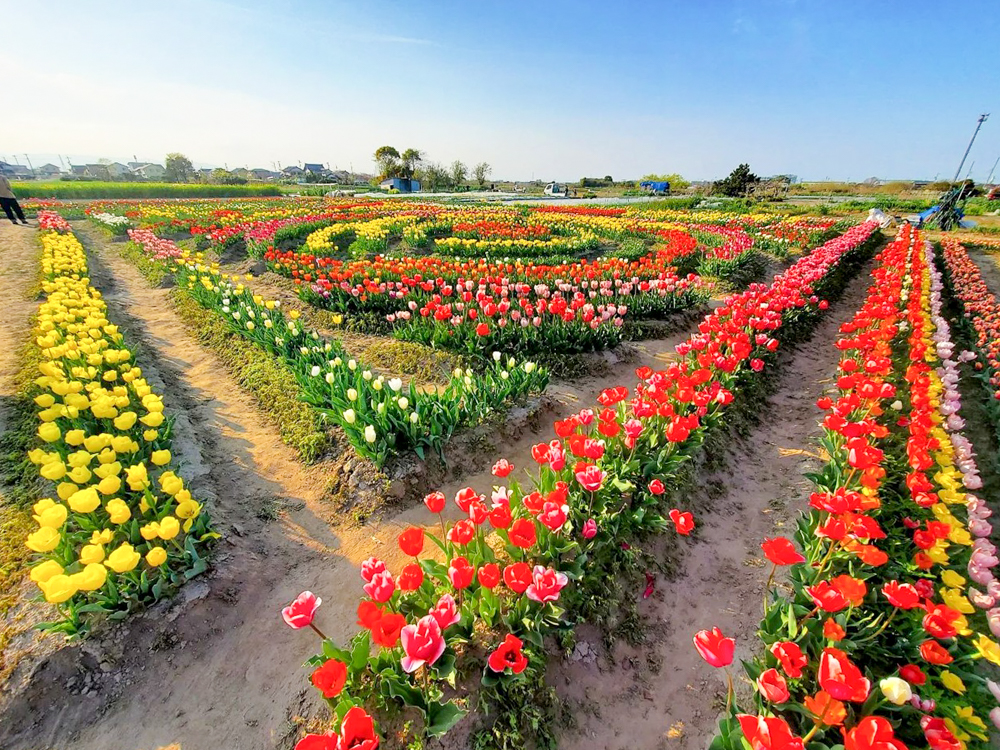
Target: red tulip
934, 653
781, 551
508, 654
300, 613
411, 541
423, 643
445, 612
410, 578
435, 502
656, 487
768, 733
370, 567
773, 686
357, 731
790, 656
913, 674
330, 678
590, 477
714, 647
841, 678
488, 575
381, 587
502, 468
462, 532
553, 516
902, 595
369, 613
545, 584
683, 522
517, 577
589, 530
385, 632
328, 741
460, 573
937, 734
523, 533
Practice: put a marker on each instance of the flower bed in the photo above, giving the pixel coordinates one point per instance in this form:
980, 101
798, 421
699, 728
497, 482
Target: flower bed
982, 312
121, 530
501, 578
873, 647
377, 414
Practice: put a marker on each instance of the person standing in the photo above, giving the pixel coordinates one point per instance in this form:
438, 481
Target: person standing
9, 202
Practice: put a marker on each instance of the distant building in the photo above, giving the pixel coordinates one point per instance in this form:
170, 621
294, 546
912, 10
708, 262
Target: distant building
117, 170
264, 174
97, 171
14, 170
292, 171
48, 170
314, 168
402, 184
149, 171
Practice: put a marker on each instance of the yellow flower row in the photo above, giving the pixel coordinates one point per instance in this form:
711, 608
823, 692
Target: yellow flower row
105, 448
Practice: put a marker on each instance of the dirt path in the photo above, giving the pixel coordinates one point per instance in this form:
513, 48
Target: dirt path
19, 255
19, 267
662, 695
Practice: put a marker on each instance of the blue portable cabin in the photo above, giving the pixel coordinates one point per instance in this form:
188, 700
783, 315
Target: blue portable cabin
661, 187
401, 184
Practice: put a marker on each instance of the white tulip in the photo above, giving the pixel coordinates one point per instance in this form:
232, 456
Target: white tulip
350, 416
370, 433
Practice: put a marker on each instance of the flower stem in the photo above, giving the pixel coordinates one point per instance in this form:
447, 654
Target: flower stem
318, 632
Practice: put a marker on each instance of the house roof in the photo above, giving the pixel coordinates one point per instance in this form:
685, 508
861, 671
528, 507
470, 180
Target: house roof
314, 167
291, 169
48, 168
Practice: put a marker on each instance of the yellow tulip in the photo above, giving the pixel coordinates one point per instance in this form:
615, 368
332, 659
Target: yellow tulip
169, 528
160, 458
104, 536
150, 531
50, 513
988, 649
91, 553
137, 477
45, 539
952, 681
123, 559
125, 420
49, 432
153, 419
96, 443
84, 501
109, 485
118, 511
58, 588
170, 483
150, 435
188, 509
79, 475
74, 437
45, 400
91, 578
952, 579
45, 570
65, 490
121, 443
53, 471
156, 556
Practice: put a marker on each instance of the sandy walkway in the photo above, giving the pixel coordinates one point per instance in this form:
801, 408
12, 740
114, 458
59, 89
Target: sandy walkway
19, 254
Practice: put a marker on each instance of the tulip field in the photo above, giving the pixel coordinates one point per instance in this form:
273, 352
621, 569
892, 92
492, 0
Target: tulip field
334, 474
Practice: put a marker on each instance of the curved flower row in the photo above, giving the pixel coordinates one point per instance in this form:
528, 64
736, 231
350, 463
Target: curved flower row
121, 528
508, 562
379, 415
873, 648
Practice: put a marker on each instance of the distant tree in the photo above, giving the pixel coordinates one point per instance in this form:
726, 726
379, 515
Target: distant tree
607, 178
737, 184
178, 168
676, 181
482, 172
434, 177
409, 162
387, 161
221, 176
458, 172
104, 160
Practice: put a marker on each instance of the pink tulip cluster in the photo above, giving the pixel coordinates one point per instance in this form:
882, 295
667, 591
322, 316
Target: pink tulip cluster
153, 246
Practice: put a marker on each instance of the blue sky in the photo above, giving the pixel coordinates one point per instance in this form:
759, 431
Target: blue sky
546, 89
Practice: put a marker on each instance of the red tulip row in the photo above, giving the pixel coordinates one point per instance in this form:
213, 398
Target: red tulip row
878, 593
599, 484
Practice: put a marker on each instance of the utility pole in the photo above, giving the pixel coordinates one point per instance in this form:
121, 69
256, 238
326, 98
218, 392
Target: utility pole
29, 165
971, 167
979, 124
990, 178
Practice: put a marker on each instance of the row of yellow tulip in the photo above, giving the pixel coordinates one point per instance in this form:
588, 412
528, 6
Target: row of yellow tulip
121, 529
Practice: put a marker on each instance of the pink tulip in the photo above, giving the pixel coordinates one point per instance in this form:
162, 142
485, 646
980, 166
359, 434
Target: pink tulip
300, 613
423, 644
